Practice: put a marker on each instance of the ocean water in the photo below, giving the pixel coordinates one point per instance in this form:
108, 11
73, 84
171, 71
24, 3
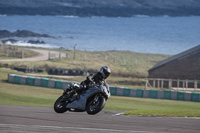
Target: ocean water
162, 35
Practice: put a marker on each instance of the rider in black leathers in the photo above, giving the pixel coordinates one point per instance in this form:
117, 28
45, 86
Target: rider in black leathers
96, 79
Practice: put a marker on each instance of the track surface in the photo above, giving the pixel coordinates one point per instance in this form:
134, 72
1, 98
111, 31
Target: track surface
42, 119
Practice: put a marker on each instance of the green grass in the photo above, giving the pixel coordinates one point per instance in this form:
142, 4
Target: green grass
154, 107
122, 63
23, 95
28, 96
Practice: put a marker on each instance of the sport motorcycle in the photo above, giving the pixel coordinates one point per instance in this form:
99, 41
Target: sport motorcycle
91, 100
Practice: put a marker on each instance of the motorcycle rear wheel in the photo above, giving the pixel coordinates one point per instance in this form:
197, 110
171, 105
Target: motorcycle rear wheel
60, 105
95, 107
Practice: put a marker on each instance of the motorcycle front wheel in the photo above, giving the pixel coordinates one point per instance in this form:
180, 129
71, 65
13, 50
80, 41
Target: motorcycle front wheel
95, 106
60, 105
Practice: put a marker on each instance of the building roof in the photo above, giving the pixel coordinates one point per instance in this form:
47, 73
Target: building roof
177, 57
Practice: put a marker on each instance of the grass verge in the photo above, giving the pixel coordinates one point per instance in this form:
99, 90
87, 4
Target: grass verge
154, 107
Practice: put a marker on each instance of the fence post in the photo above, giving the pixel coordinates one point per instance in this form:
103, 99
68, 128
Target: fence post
49, 55
195, 84
170, 83
146, 83
162, 82
67, 56
158, 83
178, 84
59, 55
106, 57
183, 84
7, 53
153, 83
75, 51
22, 53
136, 62
186, 84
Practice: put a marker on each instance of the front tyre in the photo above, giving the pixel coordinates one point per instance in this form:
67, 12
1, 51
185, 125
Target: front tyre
95, 106
60, 105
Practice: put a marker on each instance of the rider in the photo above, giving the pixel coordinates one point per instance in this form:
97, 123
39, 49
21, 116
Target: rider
96, 79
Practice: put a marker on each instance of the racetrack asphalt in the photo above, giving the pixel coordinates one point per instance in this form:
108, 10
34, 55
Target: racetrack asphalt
15, 119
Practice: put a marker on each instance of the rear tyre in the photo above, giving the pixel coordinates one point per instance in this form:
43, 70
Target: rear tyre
60, 105
94, 107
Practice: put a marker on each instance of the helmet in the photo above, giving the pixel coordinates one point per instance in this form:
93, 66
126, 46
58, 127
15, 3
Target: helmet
105, 71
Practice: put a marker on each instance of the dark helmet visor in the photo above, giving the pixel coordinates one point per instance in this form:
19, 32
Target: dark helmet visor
106, 73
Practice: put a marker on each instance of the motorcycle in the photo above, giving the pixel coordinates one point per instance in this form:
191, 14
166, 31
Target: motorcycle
91, 100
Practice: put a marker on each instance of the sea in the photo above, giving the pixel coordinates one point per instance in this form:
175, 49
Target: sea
143, 34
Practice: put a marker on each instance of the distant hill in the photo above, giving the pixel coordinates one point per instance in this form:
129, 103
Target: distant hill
109, 8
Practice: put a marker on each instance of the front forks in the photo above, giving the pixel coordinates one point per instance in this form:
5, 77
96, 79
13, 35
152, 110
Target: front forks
96, 98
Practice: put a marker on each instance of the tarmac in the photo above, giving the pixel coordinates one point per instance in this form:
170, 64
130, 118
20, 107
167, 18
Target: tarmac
15, 119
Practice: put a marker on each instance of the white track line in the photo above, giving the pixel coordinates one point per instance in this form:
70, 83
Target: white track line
119, 114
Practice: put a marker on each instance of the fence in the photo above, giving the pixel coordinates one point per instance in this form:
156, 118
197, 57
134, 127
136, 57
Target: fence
12, 53
156, 94
58, 55
36, 81
173, 84
117, 91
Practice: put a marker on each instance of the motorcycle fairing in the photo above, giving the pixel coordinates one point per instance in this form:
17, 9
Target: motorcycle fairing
81, 101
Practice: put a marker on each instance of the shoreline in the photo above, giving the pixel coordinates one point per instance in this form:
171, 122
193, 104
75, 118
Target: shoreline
32, 46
